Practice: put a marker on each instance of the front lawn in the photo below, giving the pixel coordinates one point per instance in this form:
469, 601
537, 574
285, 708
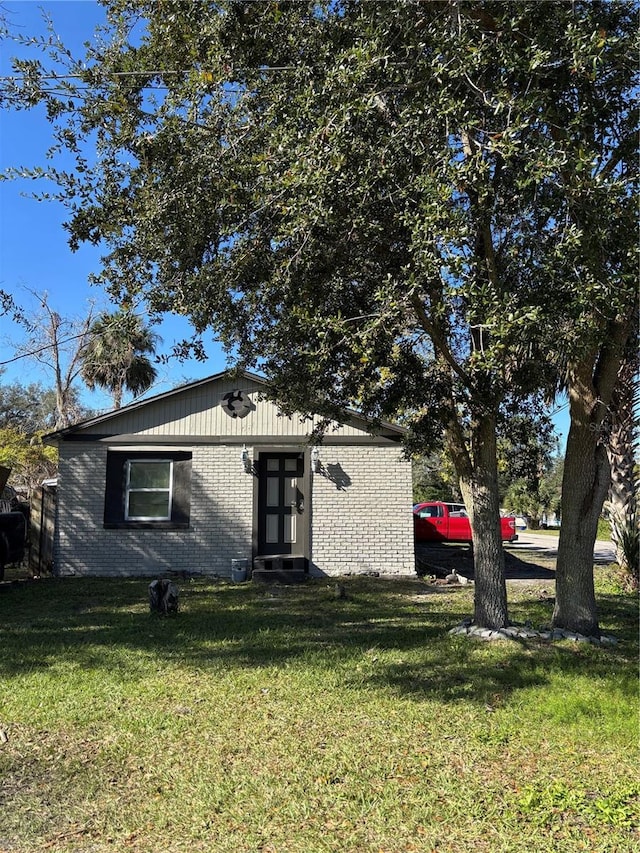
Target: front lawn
290, 720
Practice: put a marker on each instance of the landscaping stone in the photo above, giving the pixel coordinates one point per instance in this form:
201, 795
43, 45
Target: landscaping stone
525, 632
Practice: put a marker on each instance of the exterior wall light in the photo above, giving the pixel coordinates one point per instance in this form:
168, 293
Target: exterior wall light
246, 461
315, 459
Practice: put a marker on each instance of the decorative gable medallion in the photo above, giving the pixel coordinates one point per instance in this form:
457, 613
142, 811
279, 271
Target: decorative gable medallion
237, 404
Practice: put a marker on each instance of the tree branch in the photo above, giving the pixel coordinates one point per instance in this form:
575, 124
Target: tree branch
438, 340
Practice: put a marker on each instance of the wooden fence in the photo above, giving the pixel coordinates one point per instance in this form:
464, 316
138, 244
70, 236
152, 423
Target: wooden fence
42, 530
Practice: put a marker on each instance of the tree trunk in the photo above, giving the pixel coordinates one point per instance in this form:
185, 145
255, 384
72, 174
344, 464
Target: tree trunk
586, 479
480, 492
584, 487
117, 396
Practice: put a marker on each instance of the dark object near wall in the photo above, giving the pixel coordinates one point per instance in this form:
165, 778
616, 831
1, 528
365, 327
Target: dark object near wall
163, 597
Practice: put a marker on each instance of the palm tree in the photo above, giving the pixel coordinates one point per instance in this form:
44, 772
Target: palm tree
116, 355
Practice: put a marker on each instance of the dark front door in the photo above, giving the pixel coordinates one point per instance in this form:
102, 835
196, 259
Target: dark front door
281, 504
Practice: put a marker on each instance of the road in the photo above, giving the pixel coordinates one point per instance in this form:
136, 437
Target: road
547, 544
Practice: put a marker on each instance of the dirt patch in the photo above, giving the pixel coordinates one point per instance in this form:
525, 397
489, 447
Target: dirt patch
440, 560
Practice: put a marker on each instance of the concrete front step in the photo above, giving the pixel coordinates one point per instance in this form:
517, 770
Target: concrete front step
285, 576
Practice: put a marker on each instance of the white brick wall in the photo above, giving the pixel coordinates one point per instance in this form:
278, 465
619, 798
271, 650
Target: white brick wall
361, 507
220, 529
360, 513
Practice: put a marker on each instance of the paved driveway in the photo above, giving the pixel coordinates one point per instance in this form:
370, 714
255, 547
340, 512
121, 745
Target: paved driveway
546, 544
439, 559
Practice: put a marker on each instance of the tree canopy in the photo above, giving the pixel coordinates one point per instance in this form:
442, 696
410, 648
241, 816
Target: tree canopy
28, 459
366, 183
116, 355
26, 408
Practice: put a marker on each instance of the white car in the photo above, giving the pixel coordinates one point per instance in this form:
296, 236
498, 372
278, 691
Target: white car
521, 521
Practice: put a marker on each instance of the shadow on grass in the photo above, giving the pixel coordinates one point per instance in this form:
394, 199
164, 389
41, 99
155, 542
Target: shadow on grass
440, 559
100, 623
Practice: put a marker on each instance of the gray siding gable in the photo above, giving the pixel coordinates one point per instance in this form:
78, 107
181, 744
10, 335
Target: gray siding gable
201, 412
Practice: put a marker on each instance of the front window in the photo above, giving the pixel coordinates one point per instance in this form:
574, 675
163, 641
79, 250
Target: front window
149, 490
434, 511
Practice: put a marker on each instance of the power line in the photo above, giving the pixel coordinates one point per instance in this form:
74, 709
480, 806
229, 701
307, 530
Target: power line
42, 349
63, 341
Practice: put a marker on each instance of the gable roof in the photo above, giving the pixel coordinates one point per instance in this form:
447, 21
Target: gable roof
194, 411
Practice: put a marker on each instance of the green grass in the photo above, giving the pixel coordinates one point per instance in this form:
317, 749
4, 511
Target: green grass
604, 530
290, 721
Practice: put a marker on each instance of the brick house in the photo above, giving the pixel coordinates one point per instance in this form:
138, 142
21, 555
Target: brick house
211, 472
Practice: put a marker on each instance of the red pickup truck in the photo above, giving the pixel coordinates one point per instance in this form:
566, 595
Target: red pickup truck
436, 521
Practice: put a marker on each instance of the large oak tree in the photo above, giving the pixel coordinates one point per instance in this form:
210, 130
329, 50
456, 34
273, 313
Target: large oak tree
420, 208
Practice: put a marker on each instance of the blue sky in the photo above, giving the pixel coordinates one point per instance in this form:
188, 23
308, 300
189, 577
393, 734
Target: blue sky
34, 254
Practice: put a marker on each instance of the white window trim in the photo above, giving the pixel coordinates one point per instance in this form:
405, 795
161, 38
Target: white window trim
168, 491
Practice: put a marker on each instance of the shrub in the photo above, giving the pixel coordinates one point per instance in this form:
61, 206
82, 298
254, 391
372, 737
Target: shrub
625, 533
